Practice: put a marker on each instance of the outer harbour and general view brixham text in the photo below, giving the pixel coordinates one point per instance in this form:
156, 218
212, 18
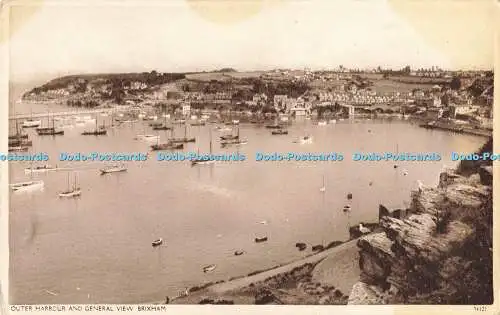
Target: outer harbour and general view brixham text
321, 185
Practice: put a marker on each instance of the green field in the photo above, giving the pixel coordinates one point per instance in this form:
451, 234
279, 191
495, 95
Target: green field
207, 76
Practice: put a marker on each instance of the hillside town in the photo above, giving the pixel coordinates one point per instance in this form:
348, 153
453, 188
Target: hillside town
430, 95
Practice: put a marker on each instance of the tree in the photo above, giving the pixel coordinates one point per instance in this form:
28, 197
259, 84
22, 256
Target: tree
455, 83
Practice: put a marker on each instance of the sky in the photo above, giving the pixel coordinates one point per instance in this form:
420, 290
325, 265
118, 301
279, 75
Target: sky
49, 39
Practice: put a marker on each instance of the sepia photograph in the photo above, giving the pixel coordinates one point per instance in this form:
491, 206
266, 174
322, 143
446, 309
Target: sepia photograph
255, 152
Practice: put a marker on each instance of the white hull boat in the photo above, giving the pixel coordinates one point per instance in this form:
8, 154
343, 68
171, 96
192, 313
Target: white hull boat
113, 169
70, 194
157, 242
31, 123
209, 268
27, 186
202, 162
40, 169
147, 137
306, 140
223, 129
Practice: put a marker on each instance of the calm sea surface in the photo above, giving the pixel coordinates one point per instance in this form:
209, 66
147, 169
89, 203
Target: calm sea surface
97, 248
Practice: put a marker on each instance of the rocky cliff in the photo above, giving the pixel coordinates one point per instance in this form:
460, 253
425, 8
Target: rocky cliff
441, 253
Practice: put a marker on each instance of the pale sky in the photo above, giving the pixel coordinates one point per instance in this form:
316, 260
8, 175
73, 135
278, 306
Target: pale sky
179, 35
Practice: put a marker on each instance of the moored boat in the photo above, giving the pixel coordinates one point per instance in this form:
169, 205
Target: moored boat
20, 148
97, 132
306, 139
222, 129
49, 131
204, 161
113, 169
19, 136
162, 127
155, 124
27, 186
40, 169
20, 142
279, 132
229, 137
30, 123
233, 141
260, 239
167, 146
76, 192
147, 137
157, 242
183, 140
198, 123
209, 268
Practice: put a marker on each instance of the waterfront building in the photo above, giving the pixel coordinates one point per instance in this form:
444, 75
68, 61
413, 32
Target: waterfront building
186, 109
434, 113
462, 109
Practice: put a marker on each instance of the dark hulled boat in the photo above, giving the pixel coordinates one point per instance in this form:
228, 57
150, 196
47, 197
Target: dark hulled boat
279, 132
20, 142
18, 136
167, 146
98, 131
49, 131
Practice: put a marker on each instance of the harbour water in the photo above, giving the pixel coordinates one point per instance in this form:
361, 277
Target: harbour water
97, 248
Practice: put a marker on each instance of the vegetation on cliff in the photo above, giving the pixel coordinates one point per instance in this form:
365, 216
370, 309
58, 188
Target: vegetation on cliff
441, 253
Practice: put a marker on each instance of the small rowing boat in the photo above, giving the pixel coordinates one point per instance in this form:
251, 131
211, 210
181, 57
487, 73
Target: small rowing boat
209, 268
113, 169
157, 242
260, 239
27, 186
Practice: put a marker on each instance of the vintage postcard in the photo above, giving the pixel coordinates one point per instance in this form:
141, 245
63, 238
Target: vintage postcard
321, 155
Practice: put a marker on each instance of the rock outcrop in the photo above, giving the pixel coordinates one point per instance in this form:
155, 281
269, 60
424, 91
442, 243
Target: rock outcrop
440, 254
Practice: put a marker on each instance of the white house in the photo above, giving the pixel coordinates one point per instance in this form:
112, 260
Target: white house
186, 109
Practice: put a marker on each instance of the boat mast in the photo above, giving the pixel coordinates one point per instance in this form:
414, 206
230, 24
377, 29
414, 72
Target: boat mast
210, 134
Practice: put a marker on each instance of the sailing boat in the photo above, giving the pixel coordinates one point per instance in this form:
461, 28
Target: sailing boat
323, 188
27, 186
75, 191
231, 136
204, 161
40, 169
162, 127
113, 169
18, 135
147, 137
98, 131
234, 140
19, 139
31, 123
397, 152
169, 145
49, 131
185, 139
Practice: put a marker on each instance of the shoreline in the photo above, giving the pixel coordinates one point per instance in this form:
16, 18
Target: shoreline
238, 287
